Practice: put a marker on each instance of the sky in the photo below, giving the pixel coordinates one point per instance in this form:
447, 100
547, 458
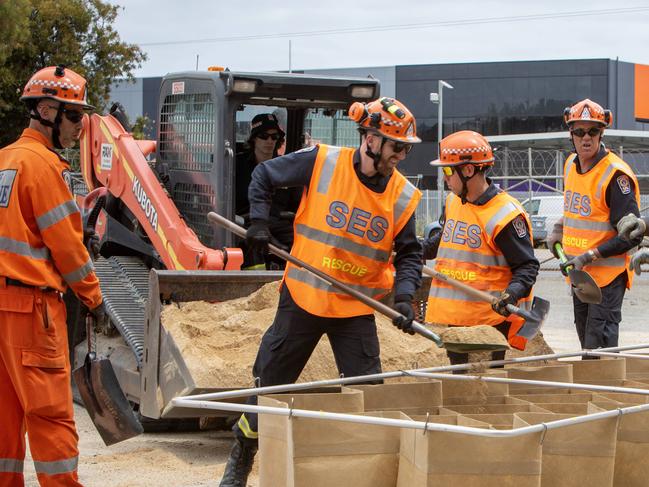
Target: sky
255, 36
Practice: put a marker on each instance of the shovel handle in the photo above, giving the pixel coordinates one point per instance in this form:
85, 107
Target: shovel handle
476, 293
562, 255
372, 303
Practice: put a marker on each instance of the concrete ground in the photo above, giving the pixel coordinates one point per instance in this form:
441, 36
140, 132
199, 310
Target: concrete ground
198, 458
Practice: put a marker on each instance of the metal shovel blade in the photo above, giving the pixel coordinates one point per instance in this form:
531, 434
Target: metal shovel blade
105, 402
585, 287
534, 318
473, 347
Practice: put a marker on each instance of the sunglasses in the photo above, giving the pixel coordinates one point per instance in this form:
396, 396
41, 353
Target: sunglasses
593, 131
448, 170
266, 136
400, 146
74, 116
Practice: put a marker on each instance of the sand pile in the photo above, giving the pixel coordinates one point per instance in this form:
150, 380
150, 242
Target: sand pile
219, 341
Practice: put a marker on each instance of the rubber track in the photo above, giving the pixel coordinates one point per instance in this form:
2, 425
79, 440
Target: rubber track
124, 284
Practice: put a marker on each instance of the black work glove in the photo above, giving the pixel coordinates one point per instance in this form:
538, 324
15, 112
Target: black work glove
505, 298
258, 235
403, 306
578, 262
556, 236
99, 313
91, 241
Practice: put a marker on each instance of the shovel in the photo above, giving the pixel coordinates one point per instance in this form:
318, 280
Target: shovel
583, 284
372, 303
533, 319
98, 387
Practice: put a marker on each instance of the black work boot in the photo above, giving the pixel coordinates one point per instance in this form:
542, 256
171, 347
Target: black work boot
242, 456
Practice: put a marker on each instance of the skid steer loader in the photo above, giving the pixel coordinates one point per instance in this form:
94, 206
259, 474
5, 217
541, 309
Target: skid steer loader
156, 243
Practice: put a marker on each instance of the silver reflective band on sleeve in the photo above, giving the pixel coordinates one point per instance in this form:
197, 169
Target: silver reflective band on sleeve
402, 202
342, 243
80, 273
328, 167
456, 294
57, 214
472, 257
587, 224
314, 281
57, 467
21, 248
500, 214
11, 465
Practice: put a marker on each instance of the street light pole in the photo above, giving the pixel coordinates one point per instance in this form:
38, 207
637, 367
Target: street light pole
441, 84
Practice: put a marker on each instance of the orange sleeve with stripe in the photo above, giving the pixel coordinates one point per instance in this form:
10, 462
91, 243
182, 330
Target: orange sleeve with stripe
59, 222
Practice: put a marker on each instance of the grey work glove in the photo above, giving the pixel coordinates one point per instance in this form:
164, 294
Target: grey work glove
579, 262
631, 227
556, 236
504, 299
639, 258
403, 306
99, 313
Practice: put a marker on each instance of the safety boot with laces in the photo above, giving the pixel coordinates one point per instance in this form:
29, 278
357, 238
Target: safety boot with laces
242, 456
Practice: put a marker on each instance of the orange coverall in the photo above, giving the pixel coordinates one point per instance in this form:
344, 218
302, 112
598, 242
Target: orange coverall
41, 254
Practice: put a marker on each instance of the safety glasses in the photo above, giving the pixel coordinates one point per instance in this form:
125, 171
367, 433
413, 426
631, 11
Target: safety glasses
400, 146
593, 132
266, 136
74, 116
448, 170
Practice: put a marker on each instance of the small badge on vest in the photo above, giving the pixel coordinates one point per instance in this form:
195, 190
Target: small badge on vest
624, 184
520, 226
7, 179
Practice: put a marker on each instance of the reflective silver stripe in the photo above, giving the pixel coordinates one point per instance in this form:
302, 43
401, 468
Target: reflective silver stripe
57, 214
402, 202
21, 248
455, 294
500, 214
607, 262
328, 167
472, 257
582, 224
80, 273
342, 243
57, 467
313, 281
609, 170
12, 465
569, 163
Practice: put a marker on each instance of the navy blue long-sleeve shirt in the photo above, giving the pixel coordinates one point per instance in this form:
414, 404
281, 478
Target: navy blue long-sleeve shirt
295, 170
517, 250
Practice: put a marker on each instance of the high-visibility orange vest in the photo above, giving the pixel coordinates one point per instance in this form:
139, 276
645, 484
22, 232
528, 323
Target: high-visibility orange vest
347, 231
41, 235
586, 216
468, 253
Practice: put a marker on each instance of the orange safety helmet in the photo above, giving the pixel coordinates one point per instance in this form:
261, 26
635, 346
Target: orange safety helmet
464, 147
57, 83
587, 111
388, 117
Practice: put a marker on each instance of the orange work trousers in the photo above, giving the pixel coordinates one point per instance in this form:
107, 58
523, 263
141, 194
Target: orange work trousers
35, 392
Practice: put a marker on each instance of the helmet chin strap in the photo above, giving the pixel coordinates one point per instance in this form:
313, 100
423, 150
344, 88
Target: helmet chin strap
55, 125
375, 157
464, 179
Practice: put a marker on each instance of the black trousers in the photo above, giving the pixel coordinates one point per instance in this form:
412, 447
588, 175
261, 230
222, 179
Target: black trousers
289, 342
598, 325
457, 358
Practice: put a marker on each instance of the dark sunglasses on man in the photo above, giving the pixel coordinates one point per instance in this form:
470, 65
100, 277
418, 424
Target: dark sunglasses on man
74, 116
266, 136
593, 132
399, 146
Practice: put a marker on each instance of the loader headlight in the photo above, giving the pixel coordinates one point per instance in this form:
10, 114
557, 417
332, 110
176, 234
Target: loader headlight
362, 91
244, 86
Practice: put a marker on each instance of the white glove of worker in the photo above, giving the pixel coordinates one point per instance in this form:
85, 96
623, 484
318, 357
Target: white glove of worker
639, 258
631, 227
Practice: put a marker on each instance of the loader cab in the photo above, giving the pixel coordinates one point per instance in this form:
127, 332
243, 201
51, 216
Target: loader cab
205, 121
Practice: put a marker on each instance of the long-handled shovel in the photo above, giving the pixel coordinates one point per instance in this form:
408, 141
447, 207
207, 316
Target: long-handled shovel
98, 386
534, 318
583, 284
372, 303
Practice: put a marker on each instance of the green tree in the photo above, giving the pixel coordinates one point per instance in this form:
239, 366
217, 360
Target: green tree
76, 33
